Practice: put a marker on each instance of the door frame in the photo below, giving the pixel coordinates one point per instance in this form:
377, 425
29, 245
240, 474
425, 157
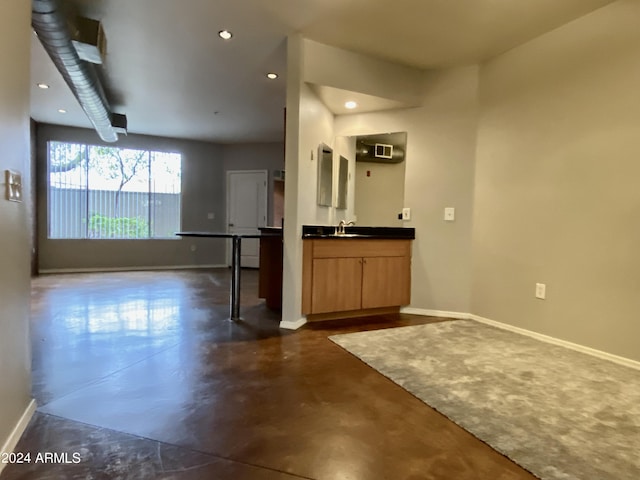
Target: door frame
228, 203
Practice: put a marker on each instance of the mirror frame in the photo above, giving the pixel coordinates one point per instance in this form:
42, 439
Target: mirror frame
325, 176
343, 183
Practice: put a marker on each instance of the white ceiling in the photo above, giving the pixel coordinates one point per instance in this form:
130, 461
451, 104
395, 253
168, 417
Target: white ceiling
170, 73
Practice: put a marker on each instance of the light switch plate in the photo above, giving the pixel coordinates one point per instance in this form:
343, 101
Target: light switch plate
449, 214
406, 214
13, 185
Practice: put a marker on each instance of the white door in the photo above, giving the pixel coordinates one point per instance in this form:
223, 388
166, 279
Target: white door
247, 210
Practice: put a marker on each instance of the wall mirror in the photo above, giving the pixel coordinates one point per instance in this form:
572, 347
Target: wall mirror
325, 175
343, 183
379, 176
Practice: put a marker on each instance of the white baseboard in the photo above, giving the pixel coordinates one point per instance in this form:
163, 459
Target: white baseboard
128, 269
435, 313
627, 362
293, 325
18, 430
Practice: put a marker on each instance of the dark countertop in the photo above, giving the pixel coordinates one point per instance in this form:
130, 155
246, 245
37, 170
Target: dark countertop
271, 230
357, 231
226, 234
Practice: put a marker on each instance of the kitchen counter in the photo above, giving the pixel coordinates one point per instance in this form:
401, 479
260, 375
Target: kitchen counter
357, 231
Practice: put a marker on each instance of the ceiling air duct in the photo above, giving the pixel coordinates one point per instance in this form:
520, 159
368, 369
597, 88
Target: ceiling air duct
51, 26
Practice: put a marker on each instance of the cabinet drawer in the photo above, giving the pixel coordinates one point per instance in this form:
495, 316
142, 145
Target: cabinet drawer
330, 248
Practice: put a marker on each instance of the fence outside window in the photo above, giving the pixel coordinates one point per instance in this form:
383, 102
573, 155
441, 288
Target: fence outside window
101, 192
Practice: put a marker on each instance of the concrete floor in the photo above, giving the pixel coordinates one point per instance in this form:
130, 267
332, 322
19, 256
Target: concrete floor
140, 376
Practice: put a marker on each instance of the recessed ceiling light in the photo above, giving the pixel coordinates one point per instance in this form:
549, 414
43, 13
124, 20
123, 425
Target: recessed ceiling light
350, 104
272, 75
43, 86
225, 34
62, 110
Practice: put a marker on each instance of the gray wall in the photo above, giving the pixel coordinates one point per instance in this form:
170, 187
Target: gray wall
379, 196
439, 172
204, 170
256, 156
15, 383
203, 182
557, 198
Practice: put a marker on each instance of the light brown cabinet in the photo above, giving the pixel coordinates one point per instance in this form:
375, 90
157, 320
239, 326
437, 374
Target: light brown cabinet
355, 275
336, 284
386, 281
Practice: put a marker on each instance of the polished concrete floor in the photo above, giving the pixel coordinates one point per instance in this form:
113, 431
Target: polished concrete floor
141, 376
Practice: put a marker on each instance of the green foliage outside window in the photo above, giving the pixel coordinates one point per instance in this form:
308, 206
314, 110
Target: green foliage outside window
101, 192
101, 226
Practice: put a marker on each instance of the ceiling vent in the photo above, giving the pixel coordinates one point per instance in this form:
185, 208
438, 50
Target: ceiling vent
71, 54
380, 150
367, 151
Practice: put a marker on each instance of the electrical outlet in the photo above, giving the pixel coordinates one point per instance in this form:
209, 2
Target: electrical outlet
449, 214
406, 214
193, 248
211, 216
541, 291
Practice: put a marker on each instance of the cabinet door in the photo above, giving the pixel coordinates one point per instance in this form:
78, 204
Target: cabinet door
386, 281
337, 284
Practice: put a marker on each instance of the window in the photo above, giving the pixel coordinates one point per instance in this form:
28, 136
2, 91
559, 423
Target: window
109, 192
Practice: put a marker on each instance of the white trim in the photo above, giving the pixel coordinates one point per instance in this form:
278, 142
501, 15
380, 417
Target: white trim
129, 269
435, 313
627, 362
18, 430
293, 325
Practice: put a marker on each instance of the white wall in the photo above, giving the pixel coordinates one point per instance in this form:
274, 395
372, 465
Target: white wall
538, 151
292, 248
316, 127
439, 172
557, 198
335, 67
15, 361
439, 169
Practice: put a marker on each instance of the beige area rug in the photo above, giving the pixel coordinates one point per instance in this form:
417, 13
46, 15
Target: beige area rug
560, 414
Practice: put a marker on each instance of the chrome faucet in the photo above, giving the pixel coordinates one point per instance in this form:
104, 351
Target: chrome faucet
341, 225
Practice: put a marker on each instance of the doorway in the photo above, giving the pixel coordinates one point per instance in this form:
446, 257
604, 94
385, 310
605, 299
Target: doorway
247, 210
